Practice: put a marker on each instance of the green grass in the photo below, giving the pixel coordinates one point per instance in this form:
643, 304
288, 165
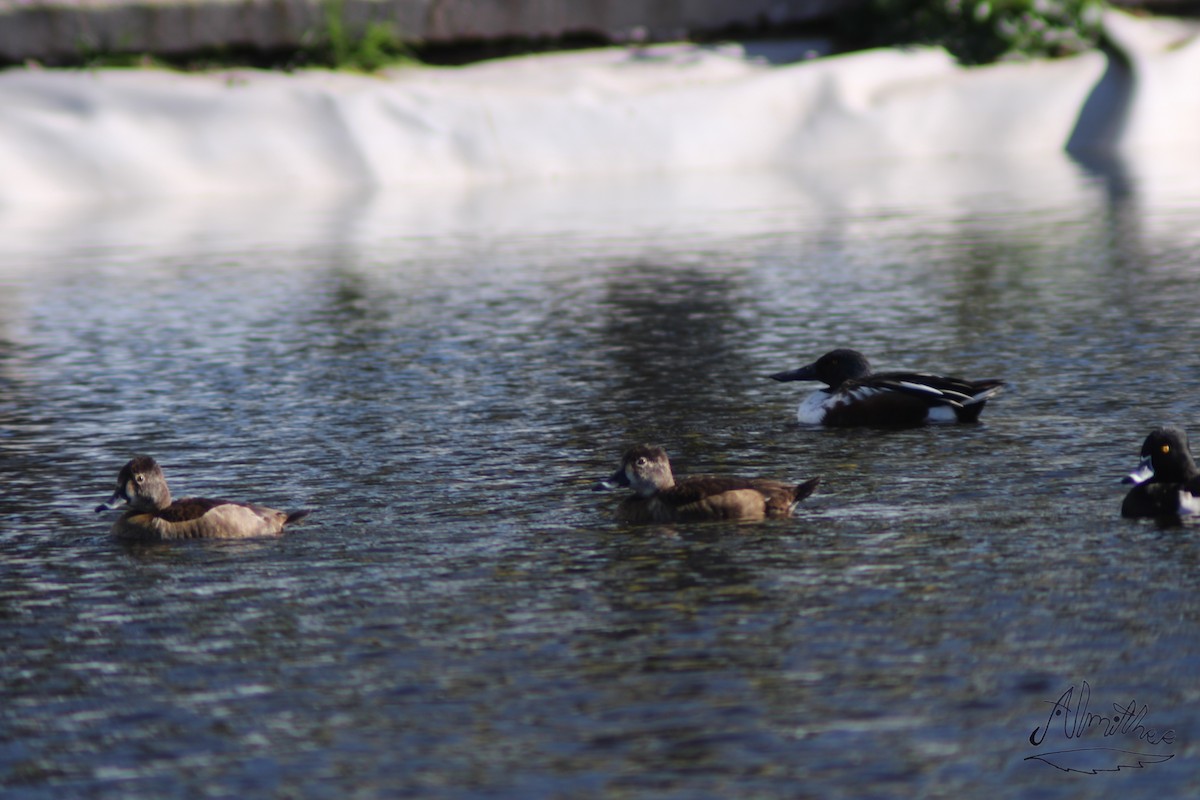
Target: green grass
332, 44
379, 45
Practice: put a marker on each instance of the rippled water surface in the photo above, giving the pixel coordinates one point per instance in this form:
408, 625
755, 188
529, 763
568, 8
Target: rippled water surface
443, 377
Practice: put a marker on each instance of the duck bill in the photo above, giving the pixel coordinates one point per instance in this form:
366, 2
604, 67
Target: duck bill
117, 500
806, 373
618, 480
1143, 473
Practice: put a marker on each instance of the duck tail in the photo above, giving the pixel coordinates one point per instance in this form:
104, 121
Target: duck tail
803, 490
982, 391
296, 516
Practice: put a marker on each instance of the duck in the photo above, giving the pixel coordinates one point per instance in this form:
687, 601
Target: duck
854, 395
1167, 483
658, 497
151, 514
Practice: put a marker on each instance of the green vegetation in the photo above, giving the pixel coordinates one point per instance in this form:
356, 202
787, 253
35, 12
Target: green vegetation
331, 44
379, 45
344, 37
982, 31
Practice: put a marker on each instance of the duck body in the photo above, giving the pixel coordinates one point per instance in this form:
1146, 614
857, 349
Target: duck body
857, 396
1167, 482
659, 498
151, 514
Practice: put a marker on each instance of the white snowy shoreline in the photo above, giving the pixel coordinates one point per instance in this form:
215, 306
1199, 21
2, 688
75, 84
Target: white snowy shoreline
110, 134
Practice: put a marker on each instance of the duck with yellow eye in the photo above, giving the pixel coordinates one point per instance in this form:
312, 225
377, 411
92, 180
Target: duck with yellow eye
658, 497
151, 515
1167, 482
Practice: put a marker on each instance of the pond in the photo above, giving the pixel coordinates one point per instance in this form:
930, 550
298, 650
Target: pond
442, 376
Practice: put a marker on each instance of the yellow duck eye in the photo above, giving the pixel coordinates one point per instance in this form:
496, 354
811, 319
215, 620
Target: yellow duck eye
1166, 448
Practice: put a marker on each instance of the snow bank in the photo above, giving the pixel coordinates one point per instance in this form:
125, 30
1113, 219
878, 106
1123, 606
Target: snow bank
144, 133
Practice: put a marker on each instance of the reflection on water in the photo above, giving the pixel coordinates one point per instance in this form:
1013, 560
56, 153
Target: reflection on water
443, 378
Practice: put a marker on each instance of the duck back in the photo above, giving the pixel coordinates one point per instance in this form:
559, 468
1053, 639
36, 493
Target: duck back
204, 518
717, 498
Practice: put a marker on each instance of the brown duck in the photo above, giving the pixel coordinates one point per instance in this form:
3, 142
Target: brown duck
152, 515
659, 497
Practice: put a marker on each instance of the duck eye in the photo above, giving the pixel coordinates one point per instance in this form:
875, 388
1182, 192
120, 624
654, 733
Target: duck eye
1166, 448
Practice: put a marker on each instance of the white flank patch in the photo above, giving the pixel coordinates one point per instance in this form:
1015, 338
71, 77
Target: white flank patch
942, 414
812, 409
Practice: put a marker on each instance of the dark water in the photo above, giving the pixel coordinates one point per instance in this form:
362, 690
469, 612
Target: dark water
442, 377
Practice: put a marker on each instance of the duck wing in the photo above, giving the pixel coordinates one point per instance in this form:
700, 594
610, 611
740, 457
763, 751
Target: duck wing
1164, 501
714, 497
934, 389
700, 487
189, 508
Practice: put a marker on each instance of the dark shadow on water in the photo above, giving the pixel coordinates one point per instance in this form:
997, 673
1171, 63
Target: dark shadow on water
1104, 113
1123, 208
669, 332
